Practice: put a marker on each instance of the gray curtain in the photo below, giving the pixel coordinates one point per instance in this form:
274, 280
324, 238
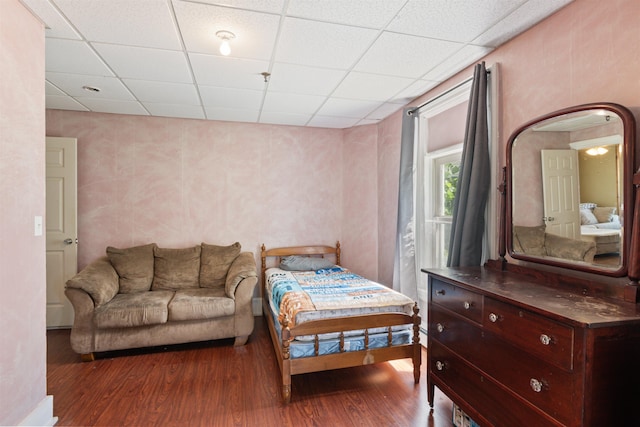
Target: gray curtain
467, 229
404, 266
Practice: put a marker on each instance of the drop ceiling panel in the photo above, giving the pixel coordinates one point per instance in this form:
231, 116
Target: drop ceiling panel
284, 118
163, 92
57, 102
114, 106
459, 21
304, 80
230, 114
333, 63
146, 23
255, 33
351, 108
145, 63
72, 56
320, 44
278, 102
72, 84
371, 87
228, 72
359, 13
224, 97
519, 20
406, 56
171, 110
273, 6
55, 24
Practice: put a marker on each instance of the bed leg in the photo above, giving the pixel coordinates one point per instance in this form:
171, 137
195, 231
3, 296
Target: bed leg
417, 347
286, 393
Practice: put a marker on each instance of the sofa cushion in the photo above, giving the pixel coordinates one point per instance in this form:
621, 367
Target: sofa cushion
200, 303
176, 268
134, 309
215, 262
99, 279
529, 240
134, 266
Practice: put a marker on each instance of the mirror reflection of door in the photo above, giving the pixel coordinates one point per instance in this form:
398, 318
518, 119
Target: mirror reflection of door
561, 192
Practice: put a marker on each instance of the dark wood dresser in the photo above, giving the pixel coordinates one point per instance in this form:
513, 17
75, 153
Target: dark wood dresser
513, 351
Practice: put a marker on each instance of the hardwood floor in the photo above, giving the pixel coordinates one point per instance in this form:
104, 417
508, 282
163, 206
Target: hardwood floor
216, 384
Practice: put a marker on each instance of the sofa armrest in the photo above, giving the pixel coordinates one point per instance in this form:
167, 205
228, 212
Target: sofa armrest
243, 267
99, 279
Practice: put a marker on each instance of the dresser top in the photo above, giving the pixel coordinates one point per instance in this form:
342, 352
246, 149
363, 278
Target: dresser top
529, 293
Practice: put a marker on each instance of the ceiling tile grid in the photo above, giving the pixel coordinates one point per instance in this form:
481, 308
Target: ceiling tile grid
324, 63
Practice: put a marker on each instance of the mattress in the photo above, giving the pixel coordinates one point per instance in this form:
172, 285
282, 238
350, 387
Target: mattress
330, 293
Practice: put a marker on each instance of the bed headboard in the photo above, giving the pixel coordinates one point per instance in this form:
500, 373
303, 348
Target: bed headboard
317, 250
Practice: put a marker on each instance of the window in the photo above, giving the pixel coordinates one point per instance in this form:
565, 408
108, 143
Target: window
441, 180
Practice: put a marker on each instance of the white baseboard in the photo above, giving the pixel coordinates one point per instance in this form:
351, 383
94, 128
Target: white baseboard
256, 306
42, 415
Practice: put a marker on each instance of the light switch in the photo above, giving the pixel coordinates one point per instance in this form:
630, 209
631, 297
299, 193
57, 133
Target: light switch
37, 226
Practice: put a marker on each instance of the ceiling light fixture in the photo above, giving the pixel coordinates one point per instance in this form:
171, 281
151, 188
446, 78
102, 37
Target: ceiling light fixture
597, 151
225, 48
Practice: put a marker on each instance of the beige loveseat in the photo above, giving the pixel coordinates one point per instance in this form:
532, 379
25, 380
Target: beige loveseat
147, 296
537, 242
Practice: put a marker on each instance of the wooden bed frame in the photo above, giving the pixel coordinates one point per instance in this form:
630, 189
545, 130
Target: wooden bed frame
344, 359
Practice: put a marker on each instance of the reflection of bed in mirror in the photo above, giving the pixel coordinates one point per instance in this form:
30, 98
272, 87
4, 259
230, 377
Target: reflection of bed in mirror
602, 226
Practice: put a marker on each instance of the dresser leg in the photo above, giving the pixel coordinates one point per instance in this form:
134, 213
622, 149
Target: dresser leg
431, 389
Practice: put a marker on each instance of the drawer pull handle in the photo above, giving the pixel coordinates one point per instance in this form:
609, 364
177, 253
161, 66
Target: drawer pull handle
536, 385
467, 305
440, 292
493, 318
545, 339
440, 366
440, 327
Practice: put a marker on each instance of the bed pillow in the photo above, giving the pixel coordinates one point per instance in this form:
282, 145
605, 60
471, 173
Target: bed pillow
304, 263
134, 266
604, 214
176, 268
215, 262
587, 217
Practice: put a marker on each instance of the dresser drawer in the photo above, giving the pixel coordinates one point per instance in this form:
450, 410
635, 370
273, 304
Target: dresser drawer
509, 365
456, 299
536, 334
460, 380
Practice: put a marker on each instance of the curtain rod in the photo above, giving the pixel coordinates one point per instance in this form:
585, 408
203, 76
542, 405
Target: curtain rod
451, 89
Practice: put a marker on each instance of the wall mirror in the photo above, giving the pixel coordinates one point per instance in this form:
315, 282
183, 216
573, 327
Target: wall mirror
569, 199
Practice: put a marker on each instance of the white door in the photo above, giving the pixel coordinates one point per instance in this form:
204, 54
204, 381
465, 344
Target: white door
561, 192
61, 228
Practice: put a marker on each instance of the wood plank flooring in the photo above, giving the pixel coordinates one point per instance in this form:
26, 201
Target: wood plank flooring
216, 384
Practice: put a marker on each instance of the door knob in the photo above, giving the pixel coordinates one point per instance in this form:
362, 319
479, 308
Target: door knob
67, 241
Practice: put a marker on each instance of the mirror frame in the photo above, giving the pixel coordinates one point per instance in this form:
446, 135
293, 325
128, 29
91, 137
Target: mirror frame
629, 162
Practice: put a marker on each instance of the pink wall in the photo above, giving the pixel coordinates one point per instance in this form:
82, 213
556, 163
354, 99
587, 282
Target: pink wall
179, 182
22, 191
586, 52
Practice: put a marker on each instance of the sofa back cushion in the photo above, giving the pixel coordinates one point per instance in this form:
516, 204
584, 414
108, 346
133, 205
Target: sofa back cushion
529, 240
176, 268
134, 266
215, 262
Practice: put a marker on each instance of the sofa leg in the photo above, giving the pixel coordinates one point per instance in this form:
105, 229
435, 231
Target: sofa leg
241, 341
89, 357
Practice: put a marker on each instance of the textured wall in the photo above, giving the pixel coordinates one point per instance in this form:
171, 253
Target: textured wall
179, 182
23, 346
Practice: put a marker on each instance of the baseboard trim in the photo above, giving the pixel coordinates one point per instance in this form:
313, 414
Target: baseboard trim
42, 415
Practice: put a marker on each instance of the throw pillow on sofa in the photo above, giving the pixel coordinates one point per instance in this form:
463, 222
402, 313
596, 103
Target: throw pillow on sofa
176, 268
215, 263
134, 266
